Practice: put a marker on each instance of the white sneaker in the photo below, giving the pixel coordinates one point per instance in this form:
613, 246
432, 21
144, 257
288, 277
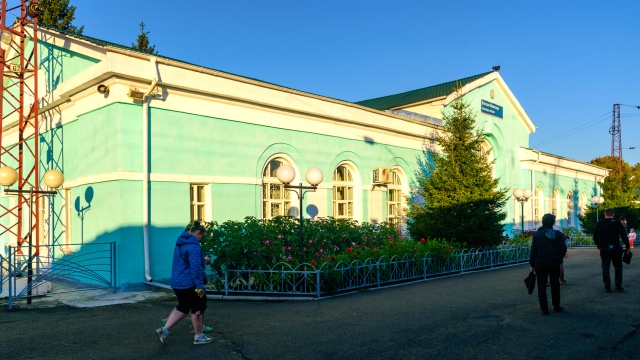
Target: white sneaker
162, 336
201, 339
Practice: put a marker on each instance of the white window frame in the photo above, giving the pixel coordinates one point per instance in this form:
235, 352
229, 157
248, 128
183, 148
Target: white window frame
555, 203
538, 200
199, 200
395, 207
571, 212
349, 190
270, 186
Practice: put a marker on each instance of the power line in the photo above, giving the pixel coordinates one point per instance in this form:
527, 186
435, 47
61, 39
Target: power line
588, 124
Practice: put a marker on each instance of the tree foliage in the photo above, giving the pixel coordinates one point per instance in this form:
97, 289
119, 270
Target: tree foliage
462, 201
59, 15
142, 43
618, 190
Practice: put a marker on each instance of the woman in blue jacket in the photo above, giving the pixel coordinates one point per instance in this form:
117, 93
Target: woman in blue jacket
187, 282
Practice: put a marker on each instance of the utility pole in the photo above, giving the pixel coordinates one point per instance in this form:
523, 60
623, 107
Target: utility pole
616, 137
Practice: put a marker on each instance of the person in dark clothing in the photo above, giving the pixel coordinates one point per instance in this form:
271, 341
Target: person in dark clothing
607, 237
548, 248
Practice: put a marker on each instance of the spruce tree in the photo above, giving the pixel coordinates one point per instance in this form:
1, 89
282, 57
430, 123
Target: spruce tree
59, 15
142, 43
462, 201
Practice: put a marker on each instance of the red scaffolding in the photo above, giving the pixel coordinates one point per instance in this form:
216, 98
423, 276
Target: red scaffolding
19, 116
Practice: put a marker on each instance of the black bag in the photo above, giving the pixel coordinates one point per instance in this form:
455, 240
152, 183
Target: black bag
626, 257
530, 281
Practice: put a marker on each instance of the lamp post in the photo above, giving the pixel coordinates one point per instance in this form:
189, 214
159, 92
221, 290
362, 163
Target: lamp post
522, 196
597, 200
53, 179
286, 174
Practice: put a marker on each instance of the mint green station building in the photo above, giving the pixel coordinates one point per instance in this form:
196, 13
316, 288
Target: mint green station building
148, 143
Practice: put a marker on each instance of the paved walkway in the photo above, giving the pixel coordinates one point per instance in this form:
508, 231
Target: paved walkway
480, 315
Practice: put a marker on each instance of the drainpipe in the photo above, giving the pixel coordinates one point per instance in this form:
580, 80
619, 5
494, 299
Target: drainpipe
145, 169
533, 191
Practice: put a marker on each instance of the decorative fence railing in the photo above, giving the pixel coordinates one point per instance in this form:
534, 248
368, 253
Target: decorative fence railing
580, 241
329, 279
88, 267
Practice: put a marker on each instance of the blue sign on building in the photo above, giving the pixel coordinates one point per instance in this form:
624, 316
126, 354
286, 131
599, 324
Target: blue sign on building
491, 108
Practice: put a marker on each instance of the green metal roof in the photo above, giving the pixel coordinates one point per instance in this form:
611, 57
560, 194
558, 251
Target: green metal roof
415, 96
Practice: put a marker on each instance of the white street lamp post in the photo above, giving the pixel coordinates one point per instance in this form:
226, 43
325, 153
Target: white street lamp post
597, 200
53, 179
522, 196
286, 174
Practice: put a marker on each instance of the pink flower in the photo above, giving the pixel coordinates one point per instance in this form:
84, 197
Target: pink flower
321, 250
267, 242
279, 236
310, 241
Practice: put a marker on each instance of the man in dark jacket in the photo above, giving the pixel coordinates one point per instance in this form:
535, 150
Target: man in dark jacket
607, 237
187, 282
548, 248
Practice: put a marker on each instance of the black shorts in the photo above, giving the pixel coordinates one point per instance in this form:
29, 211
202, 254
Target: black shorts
188, 300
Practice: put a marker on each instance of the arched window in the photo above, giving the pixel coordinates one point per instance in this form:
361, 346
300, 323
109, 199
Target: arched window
570, 210
555, 203
395, 200
537, 207
275, 200
342, 193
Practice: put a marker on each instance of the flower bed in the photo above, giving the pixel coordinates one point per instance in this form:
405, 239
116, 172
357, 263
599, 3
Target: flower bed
262, 256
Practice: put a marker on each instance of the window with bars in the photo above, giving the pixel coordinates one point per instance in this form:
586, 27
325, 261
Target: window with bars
554, 203
198, 202
342, 193
394, 200
276, 201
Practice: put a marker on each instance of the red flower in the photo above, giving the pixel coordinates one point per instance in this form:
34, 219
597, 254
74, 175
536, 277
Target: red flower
393, 243
422, 240
349, 250
313, 262
333, 258
375, 250
324, 259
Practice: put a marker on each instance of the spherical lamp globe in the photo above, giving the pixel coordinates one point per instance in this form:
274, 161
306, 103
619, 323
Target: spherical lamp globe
8, 176
517, 193
286, 174
314, 176
53, 179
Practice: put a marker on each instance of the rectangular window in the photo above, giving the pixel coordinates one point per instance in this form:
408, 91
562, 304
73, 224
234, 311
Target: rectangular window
343, 202
394, 206
198, 202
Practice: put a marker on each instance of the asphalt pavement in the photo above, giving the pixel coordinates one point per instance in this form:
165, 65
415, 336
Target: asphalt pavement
486, 314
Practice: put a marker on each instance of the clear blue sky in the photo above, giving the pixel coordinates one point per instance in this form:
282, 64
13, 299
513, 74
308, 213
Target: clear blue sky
567, 62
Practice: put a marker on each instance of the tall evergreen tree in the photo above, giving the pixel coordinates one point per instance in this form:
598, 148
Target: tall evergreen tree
59, 15
142, 43
462, 202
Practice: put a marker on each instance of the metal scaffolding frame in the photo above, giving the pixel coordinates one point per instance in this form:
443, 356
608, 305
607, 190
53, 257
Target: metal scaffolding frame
19, 110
